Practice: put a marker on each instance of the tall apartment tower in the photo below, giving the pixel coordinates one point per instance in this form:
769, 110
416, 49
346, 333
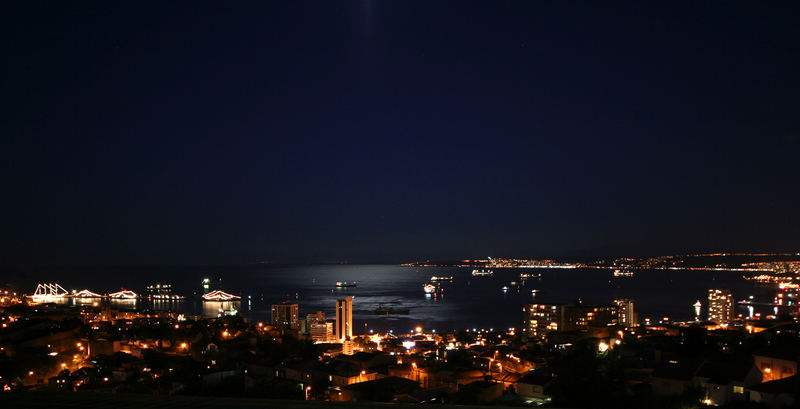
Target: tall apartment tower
626, 316
344, 318
318, 327
720, 305
284, 315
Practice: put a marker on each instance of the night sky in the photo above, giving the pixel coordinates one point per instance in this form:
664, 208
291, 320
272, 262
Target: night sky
191, 133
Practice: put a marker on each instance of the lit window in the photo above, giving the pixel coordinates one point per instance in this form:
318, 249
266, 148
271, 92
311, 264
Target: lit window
738, 389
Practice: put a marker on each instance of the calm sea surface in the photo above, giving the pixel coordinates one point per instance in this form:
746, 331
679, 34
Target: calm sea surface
468, 302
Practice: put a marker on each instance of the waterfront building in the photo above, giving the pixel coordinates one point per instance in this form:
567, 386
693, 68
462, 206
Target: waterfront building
161, 291
625, 313
344, 318
720, 305
284, 315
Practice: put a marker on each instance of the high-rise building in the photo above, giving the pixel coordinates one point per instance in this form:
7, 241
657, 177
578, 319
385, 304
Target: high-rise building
284, 315
580, 316
539, 319
316, 318
347, 347
302, 327
625, 314
344, 318
543, 318
318, 328
720, 305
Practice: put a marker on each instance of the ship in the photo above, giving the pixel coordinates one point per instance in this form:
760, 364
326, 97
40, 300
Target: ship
432, 289
530, 275
623, 273
477, 272
441, 278
345, 284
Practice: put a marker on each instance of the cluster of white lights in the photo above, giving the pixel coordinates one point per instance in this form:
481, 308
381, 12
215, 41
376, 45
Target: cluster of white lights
86, 294
123, 295
219, 295
49, 291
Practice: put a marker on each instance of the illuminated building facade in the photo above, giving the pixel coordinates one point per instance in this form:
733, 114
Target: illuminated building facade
773, 368
577, 317
318, 329
284, 315
625, 313
539, 319
160, 290
321, 331
720, 305
347, 347
344, 318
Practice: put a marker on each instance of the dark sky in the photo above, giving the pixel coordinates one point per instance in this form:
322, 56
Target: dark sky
149, 133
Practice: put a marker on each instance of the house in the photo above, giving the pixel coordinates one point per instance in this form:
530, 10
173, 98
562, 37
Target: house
368, 360
379, 390
479, 392
534, 387
435, 395
776, 364
776, 394
673, 380
725, 381
337, 373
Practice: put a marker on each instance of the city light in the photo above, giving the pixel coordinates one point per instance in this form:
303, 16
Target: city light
219, 295
123, 295
86, 294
